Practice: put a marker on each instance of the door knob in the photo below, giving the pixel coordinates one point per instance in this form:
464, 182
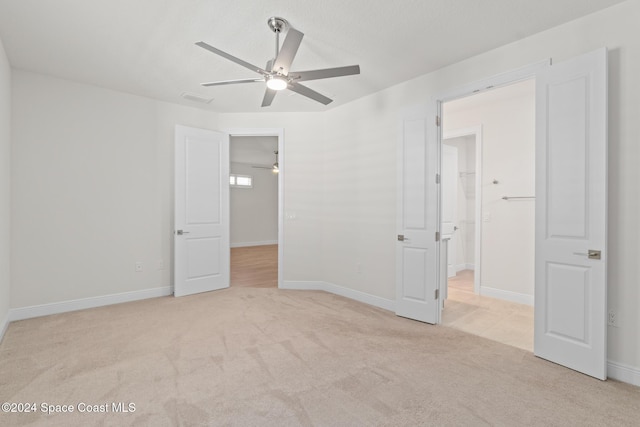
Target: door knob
401, 238
181, 232
594, 254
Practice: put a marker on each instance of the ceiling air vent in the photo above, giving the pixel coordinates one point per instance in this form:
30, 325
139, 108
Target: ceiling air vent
195, 97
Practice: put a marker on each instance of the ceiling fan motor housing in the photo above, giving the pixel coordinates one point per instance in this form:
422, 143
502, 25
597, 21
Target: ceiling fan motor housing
278, 25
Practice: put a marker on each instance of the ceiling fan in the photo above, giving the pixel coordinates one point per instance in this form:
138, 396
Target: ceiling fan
277, 73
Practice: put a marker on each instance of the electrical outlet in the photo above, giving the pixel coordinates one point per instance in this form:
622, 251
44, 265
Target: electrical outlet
612, 319
138, 267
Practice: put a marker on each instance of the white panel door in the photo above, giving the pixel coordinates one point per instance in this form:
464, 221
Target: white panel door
201, 233
449, 218
571, 207
416, 257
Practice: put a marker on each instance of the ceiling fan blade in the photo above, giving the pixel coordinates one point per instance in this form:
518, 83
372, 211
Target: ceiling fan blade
231, 82
231, 58
309, 93
269, 94
288, 51
326, 73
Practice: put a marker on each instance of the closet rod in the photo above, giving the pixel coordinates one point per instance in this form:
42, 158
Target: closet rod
518, 197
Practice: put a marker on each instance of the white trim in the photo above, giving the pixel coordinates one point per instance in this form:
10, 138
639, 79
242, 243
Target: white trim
519, 298
498, 80
4, 325
359, 296
84, 303
476, 132
625, 373
279, 132
309, 285
247, 244
470, 267
460, 267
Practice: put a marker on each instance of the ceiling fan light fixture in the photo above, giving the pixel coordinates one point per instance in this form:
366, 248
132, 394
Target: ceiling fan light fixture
277, 83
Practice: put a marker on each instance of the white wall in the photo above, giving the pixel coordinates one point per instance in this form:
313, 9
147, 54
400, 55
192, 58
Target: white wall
90, 200
302, 169
360, 173
5, 189
508, 156
359, 233
92, 184
254, 211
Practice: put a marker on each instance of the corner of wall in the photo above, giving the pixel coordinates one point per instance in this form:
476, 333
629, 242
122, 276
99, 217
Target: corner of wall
5, 189
376, 301
4, 324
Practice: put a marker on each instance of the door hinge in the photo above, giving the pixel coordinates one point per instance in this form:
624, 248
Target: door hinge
437, 236
437, 293
437, 178
437, 120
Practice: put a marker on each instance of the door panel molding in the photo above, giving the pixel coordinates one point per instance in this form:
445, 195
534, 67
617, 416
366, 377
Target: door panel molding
571, 214
201, 216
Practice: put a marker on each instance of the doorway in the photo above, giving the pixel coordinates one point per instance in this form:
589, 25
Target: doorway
570, 260
488, 213
256, 181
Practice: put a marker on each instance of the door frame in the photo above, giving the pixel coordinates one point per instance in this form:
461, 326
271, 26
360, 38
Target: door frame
473, 88
475, 131
279, 133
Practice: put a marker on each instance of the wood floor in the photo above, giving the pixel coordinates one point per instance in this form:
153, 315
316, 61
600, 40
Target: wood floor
498, 320
255, 266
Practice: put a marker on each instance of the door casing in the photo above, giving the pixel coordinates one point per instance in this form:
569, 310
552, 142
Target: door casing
503, 79
279, 133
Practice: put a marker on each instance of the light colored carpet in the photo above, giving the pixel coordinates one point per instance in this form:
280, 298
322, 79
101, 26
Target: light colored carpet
260, 357
499, 320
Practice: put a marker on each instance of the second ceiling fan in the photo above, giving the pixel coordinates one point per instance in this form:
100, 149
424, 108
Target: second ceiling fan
277, 73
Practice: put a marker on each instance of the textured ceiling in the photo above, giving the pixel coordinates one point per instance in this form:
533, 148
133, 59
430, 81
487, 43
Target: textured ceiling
146, 47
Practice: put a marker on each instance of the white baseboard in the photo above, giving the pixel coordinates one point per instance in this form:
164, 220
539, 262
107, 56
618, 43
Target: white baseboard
519, 298
363, 297
246, 244
616, 371
81, 304
461, 267
303, 285
624, 373
4, 325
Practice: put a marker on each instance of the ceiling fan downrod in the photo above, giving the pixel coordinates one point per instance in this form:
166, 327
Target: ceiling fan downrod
277, 25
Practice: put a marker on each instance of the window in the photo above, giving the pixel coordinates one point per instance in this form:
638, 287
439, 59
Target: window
241, 181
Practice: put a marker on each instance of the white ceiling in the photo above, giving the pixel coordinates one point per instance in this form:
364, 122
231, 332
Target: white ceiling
253, 150
146, 47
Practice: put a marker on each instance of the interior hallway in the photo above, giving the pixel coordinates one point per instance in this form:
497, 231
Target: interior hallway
498, 320
255, 266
